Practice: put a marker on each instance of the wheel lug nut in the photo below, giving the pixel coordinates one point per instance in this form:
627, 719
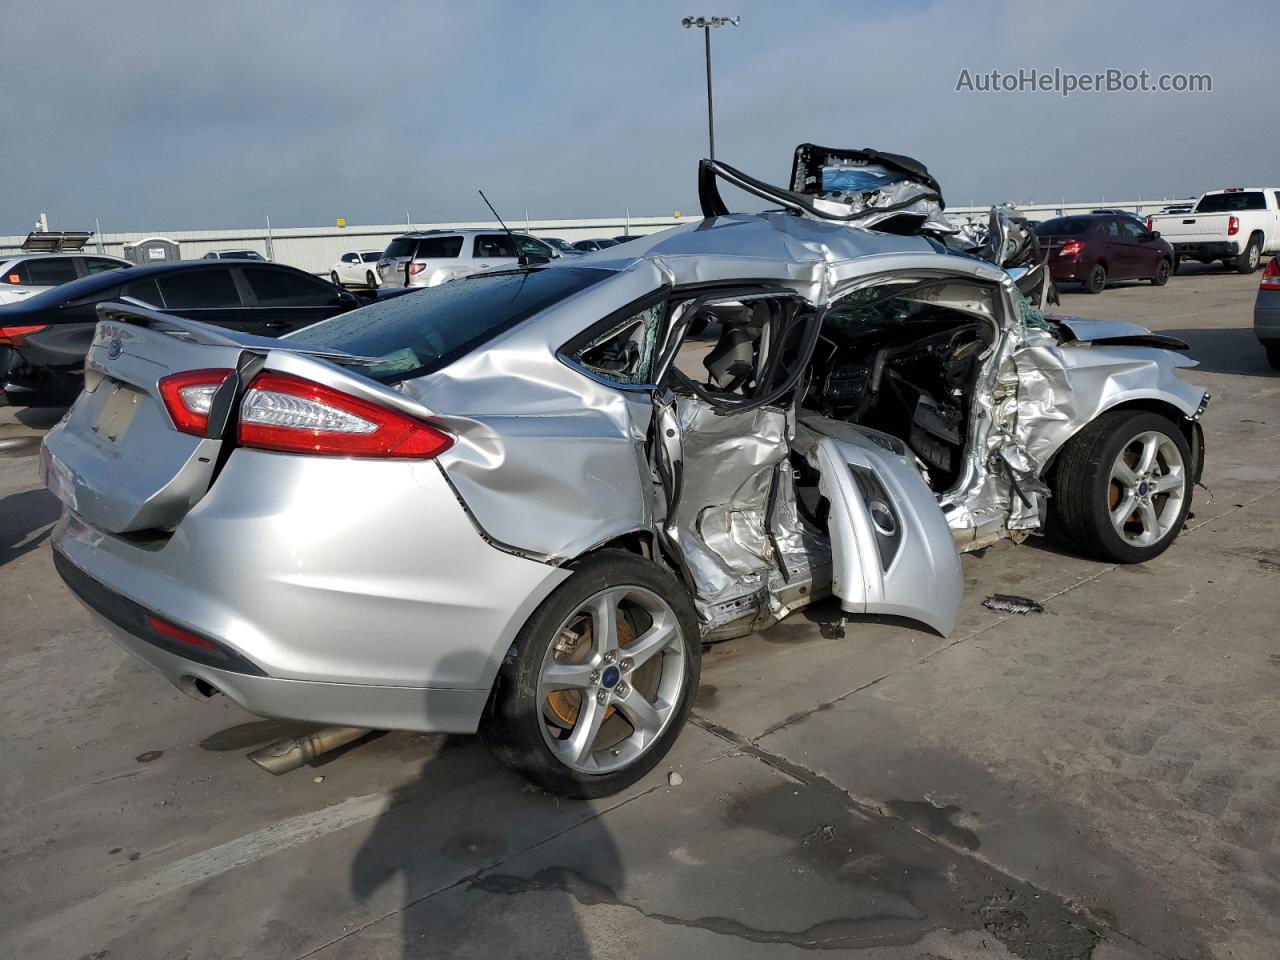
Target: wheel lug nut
610, 657
595, 676
622, 689
626, 663
601, 697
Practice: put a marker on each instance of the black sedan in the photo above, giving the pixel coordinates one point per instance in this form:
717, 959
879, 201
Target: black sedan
43, 340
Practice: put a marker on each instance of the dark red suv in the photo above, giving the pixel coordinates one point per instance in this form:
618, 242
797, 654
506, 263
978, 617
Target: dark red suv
1095, 248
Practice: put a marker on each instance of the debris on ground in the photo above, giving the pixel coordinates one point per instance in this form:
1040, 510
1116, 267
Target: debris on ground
1011, 604
832, 629
318, 780
674, 779
825, 833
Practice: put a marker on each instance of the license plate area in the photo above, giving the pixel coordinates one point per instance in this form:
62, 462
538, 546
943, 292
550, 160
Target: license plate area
118, 410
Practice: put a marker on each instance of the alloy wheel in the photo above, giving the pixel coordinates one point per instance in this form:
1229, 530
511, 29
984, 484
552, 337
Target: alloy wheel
610, 683
1148, 484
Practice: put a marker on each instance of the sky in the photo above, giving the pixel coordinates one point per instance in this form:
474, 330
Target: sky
161, 115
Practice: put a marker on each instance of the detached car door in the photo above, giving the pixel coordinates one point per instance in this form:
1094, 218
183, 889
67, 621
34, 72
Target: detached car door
892, 551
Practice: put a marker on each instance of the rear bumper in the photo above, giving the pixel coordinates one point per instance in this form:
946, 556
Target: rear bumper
1208, 250
1069, 271
342, 591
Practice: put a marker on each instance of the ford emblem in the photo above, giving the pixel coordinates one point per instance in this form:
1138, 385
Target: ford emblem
115, 348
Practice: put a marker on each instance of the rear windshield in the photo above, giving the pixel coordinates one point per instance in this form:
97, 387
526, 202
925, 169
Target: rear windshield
416, 333
1064, 227
436, 248
1230, 202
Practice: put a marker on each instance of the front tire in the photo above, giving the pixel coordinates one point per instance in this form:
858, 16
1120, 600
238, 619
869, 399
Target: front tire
1122, 487
1162, 273
1248, 261
1096, 282
333, 275
599, 681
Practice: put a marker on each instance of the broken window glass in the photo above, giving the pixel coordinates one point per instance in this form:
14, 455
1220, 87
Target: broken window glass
624, 354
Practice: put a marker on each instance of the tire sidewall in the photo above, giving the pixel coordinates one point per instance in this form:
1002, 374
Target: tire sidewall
333, 275
1163, 272
1251, 258
1097, 281
513, 716
1098, 479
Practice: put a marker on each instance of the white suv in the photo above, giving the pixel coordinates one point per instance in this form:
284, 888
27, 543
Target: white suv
27, 274
432, 257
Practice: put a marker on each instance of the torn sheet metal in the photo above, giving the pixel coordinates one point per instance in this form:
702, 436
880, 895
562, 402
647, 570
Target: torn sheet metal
719, 521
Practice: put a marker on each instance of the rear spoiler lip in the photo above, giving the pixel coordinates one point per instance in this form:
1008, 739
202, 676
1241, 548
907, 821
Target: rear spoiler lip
210, 335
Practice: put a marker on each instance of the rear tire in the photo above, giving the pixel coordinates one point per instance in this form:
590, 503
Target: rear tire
1162, 273
1096, 282
371, 280
561, 712
1273, 355
1249, 260
1103, 516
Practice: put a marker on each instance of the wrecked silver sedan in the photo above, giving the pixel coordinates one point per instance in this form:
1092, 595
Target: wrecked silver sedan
521, 501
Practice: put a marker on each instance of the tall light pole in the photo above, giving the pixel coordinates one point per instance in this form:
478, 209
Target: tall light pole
705, 24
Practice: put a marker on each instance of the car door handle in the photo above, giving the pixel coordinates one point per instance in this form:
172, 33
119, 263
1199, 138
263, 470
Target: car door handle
276, 324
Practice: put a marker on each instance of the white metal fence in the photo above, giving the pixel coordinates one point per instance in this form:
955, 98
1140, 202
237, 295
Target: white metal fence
315, 249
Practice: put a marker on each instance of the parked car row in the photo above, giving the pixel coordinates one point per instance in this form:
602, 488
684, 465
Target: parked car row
428, 258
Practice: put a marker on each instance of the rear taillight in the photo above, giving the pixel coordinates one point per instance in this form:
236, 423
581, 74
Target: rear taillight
13, 278
1271, 275
416, 268
15, 336
288, 414
1233, 226
188, 397
1071, 248
1148, 224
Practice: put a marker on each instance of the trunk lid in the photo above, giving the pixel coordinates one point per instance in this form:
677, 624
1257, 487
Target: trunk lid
116, 458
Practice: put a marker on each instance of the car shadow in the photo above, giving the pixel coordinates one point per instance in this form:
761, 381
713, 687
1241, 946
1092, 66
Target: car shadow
1233, 350
448, 831
25, 520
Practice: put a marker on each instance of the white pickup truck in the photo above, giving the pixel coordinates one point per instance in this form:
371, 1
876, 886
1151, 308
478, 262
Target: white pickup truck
1236, 225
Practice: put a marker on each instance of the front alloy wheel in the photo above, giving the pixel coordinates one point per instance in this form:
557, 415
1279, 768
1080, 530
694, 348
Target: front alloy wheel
1122, 487
1148, 484
599, 681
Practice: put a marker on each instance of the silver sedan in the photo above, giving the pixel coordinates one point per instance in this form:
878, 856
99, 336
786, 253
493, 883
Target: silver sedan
518, 503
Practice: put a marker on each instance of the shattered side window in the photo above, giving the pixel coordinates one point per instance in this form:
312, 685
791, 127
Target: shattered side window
624, 353
1032, 319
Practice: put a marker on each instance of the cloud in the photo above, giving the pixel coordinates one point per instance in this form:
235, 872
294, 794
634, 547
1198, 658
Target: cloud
155, 115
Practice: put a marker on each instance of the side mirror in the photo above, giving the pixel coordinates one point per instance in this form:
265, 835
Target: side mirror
1155, 234
536, 259
348, 298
